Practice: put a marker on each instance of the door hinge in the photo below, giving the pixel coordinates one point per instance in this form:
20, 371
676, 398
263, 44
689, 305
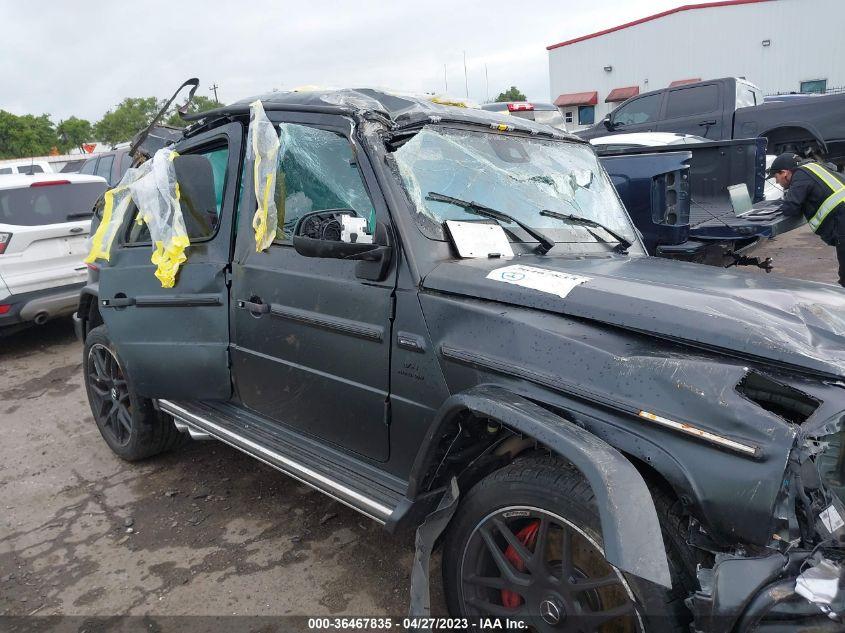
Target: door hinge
387, 412
392, 306
227, 275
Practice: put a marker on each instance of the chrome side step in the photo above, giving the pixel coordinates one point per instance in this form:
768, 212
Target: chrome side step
336, 490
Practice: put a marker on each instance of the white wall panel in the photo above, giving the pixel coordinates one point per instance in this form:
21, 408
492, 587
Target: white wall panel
807, 42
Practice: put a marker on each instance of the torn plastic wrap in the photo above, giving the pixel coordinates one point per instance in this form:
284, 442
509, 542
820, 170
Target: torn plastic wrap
153, 188
116, 202
157, 198
263, 148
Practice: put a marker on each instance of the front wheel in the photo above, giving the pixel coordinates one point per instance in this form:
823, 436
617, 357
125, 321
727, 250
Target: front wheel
526, 544
129, 423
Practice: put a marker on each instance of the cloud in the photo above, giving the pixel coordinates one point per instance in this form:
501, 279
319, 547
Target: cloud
82, 58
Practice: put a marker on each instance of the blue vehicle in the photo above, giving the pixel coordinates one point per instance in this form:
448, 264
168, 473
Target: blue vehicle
680, 203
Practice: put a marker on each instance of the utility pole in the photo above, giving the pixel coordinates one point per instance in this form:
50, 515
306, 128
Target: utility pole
486, 84
466, 81
445, 80
214, 88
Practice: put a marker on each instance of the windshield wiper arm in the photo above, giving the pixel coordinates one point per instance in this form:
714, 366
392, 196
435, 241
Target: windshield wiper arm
623, 245
546, 243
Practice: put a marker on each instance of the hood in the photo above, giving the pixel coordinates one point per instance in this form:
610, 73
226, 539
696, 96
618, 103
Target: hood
798, 324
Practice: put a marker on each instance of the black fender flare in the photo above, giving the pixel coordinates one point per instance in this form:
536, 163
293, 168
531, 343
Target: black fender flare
89, 294
630, 528
811, 129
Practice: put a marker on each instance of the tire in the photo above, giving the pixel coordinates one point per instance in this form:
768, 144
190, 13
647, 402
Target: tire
129, 423
546, 491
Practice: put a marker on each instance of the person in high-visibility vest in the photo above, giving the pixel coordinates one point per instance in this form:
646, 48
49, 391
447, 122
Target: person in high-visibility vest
818, 193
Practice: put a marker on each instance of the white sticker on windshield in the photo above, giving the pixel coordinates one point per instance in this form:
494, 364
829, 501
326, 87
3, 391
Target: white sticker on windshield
831, 519
550, 281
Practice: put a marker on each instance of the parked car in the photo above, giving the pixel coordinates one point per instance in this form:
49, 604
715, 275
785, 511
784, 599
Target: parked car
732, 108
25, 167
108, 165
44, 224
601, 437
547, 113
72, 166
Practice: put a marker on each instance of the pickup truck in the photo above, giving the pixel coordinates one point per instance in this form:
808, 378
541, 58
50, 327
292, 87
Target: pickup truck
731, 108
678, 197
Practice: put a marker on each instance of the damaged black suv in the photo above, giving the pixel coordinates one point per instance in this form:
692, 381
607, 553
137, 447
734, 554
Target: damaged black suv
444, 318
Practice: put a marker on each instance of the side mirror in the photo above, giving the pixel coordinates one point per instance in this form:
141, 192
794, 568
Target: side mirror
373, 258
608, 122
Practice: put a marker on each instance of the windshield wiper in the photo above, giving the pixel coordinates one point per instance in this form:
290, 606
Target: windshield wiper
546, 243
623, 245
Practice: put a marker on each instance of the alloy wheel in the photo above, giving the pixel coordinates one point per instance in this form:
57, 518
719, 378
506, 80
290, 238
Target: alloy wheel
527, 563
109, 394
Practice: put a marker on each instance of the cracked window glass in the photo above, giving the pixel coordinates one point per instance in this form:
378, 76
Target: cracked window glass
317, 170
520, 176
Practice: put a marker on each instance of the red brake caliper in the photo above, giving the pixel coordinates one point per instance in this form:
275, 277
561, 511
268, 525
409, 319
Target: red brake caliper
527, 536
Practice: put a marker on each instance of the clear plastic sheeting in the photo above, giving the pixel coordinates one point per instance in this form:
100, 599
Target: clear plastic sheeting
153, 188
520, 176
263, 148
116, 203
156, 195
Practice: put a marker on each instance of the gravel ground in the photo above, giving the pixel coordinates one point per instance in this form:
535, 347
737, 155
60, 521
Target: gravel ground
203, 531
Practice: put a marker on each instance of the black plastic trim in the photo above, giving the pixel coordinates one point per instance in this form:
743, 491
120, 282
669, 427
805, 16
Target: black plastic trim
366, 331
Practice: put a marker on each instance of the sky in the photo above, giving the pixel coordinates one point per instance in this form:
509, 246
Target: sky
81, 58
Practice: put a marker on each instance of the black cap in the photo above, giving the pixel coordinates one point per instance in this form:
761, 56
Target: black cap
784, 161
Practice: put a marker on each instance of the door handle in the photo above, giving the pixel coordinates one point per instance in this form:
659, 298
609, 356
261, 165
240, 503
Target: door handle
118, 302
77, 229
703, 123
254, 307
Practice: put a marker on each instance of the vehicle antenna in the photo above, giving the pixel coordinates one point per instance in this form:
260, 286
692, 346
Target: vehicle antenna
445, 80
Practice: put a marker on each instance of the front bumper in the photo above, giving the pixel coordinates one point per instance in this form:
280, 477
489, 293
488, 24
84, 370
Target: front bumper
758, 594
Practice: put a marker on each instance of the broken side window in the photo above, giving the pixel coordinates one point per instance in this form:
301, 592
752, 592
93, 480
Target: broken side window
316, 171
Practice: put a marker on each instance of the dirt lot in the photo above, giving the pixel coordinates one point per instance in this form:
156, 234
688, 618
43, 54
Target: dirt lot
204, 531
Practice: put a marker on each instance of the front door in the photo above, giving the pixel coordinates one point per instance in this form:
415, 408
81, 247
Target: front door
311, 340
637, 115
173, 341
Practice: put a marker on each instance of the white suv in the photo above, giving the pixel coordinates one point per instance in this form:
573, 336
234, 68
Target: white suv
45, 220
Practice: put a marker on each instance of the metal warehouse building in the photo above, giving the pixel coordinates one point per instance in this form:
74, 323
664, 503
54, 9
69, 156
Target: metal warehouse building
780, 45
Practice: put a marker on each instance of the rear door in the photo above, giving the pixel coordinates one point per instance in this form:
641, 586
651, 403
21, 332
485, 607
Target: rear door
44, 226
695, 109
173, 341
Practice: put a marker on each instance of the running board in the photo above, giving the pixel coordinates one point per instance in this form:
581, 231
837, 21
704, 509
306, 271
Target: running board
285, 458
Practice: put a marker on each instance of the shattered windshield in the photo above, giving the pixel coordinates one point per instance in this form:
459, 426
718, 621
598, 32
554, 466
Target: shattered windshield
520, 176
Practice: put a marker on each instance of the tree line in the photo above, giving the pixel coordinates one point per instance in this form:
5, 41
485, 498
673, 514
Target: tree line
30, 135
